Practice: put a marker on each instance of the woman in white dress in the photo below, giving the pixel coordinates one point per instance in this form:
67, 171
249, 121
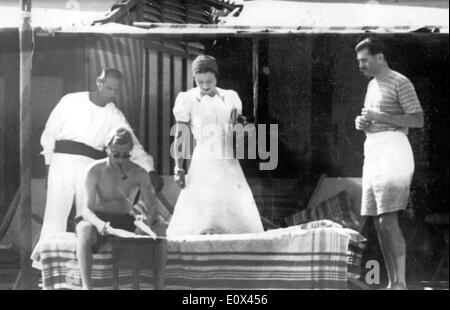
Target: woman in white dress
215, 197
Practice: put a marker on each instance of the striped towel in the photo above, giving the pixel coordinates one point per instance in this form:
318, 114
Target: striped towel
317, 255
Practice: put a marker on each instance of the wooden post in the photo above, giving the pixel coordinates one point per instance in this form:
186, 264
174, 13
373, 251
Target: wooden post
115, 268
255, 70
26, 41
136, 266
159, 263
2, 140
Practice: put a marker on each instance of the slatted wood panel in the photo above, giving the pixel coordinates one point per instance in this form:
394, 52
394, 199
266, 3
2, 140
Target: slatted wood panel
126, 55
2, 142
152, 104
189, 78
155, 72
166, 109
166, 76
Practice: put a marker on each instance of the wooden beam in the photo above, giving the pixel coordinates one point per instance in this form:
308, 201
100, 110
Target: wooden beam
2, 141
153, 106
255, 69
166, 107
26, 41
9, 215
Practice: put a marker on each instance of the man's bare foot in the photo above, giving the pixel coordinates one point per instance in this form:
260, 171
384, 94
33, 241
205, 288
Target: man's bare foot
398, 286
394, 287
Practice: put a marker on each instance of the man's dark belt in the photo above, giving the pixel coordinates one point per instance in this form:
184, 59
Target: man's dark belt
78, 148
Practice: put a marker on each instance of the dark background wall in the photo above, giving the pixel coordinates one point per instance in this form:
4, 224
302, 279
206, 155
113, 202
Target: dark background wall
9, 64
58, 68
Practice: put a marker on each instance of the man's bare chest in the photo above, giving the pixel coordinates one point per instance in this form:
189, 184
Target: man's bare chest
111, 186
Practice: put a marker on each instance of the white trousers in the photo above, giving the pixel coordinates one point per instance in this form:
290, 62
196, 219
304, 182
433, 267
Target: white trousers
66, 179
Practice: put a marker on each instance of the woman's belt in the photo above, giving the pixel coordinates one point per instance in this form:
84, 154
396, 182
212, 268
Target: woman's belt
78, 148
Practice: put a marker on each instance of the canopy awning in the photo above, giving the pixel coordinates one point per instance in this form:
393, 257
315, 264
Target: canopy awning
322, 16
263, 18
194, 32
11, 17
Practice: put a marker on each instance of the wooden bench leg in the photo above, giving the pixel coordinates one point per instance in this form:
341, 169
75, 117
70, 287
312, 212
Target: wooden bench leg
136, 267
159, 266
115, 269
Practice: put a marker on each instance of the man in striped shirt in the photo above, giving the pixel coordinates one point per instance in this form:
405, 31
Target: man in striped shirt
391, 107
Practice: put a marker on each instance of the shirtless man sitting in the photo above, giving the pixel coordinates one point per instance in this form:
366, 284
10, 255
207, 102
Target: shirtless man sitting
108, 210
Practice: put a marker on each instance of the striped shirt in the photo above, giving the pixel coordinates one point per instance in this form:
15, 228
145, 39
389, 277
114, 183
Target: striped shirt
393, 94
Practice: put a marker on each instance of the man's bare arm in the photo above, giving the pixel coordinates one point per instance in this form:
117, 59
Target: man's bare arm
148, 195
91, 194
407, 120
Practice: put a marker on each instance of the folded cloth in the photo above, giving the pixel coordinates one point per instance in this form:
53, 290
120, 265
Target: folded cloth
337, 208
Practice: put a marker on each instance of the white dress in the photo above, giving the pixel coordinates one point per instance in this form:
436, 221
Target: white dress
217, 198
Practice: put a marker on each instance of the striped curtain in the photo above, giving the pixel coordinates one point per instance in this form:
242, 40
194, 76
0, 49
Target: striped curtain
155, 72
167, 74
126, 55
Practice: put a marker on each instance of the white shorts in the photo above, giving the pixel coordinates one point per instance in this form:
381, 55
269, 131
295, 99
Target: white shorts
387, 173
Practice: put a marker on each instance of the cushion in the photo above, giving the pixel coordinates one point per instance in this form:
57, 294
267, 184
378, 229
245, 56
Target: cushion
337, 209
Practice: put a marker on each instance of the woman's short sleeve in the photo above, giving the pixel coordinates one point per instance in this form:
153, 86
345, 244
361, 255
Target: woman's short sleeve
235, 101
182, 108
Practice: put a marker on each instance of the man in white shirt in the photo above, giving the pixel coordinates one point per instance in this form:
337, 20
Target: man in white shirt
75, 135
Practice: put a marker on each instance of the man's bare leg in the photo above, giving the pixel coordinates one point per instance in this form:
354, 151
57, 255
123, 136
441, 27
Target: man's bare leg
86, 238
393, 237
385, 250
399, 249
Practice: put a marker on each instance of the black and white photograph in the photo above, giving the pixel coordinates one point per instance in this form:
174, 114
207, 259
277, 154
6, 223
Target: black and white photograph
224, 149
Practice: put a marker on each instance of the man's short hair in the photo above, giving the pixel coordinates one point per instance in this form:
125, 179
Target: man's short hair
110, 72
121, 136
374, 46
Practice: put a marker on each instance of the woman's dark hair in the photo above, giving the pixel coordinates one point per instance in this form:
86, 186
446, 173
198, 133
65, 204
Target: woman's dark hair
205, 64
